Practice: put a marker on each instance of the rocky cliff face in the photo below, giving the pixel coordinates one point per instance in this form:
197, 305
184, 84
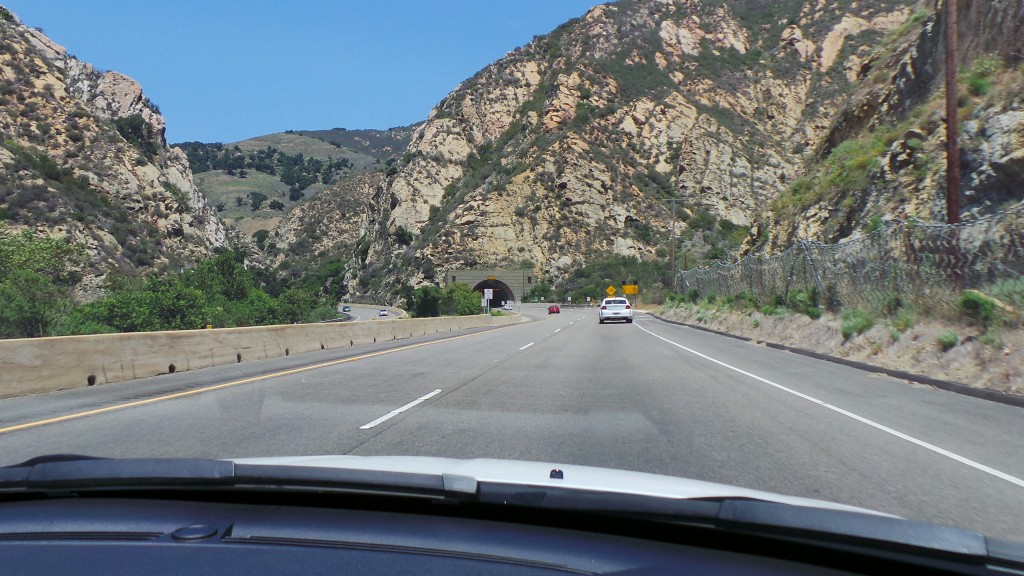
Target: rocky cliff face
884, 156
84, 157
569, 148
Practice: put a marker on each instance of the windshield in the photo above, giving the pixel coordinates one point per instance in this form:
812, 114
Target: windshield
716, 241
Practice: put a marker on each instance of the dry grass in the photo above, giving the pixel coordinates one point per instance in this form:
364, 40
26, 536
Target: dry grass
978, 360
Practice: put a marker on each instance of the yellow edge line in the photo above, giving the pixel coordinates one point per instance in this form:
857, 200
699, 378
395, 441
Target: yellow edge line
225, 385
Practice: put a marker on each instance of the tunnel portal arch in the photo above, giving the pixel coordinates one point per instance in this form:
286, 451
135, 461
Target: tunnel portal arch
514, 284
502, 292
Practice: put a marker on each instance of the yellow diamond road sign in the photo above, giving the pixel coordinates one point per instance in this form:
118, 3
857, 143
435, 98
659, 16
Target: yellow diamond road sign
610, 291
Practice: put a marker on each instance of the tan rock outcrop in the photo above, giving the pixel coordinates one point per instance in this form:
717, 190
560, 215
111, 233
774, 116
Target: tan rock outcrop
147, 211
567, 149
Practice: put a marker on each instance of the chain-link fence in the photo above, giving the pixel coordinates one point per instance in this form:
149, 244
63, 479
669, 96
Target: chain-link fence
902, 263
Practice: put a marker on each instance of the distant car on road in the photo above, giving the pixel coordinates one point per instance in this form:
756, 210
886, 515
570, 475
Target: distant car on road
554, 309
615, 309
346, 309
382, 313
507, 306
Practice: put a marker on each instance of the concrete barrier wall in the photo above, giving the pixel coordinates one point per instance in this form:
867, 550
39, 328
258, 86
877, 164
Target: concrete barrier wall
37, 365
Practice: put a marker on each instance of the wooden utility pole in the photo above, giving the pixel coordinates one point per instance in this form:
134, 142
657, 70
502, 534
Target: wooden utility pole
675, 241
952, 122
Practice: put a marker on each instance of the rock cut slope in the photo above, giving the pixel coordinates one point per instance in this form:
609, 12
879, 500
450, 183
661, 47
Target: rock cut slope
884, 156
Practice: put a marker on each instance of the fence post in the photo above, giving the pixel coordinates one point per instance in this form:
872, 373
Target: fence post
814, 270
789, 276
889, 266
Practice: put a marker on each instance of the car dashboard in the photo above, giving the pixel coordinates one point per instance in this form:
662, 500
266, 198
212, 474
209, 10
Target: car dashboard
255, 533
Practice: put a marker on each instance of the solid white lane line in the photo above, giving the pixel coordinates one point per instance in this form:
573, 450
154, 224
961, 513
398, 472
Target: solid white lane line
394, 413
861, 419
527, 346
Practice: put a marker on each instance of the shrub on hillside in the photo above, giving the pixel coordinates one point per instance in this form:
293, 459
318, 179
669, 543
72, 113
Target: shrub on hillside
459, 299
426, 299
977, 307
138, 133
948, 340
804, 302
856, 321
30, 305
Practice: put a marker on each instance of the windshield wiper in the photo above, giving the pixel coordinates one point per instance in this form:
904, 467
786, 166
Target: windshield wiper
73, 471
84, 473
840, 529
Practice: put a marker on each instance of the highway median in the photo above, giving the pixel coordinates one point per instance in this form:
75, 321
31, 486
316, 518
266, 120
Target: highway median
39, 365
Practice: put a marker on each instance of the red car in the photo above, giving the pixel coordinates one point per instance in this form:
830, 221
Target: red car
554, 309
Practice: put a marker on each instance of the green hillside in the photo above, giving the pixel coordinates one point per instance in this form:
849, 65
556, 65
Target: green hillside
379, 144
253, 183
293, 144
233, 197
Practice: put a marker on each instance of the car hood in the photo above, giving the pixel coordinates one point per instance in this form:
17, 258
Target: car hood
539, 474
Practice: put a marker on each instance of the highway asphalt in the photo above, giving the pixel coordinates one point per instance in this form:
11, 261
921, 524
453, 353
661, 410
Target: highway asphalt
647, 396
364, 312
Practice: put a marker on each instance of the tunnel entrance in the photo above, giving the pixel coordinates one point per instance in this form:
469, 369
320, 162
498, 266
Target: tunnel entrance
502, 293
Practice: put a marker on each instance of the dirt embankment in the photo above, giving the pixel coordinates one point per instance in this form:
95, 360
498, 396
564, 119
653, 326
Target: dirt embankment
980, 360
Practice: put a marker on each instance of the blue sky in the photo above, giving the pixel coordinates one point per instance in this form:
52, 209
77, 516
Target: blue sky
226, 70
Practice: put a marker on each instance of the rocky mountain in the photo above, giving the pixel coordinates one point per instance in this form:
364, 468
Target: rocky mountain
572, 147
761, 121
884, 155
83, 156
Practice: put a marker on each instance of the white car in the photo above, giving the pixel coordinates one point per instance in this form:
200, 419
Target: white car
615, 309
383, 313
